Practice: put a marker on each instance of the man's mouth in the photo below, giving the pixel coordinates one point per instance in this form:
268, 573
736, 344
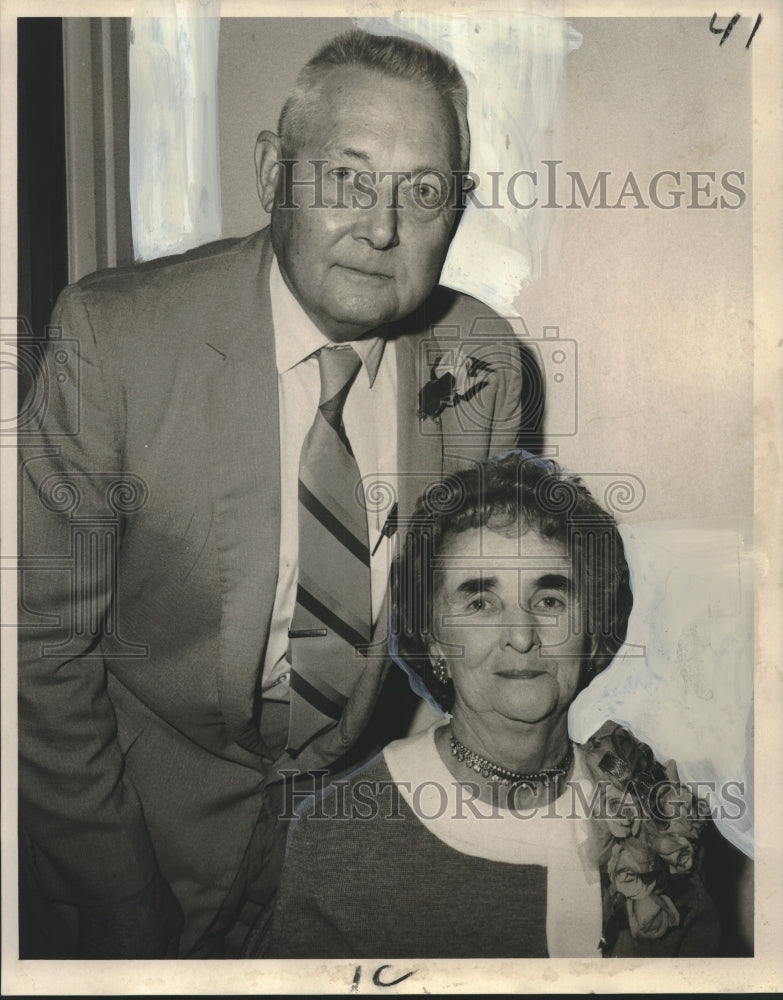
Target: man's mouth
366, 272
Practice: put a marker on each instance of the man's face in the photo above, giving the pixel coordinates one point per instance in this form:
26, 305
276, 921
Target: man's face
376, 249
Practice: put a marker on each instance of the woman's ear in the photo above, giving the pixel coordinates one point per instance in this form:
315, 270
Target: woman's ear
593, 650
267, 157
434, 651
438, 663
593, 662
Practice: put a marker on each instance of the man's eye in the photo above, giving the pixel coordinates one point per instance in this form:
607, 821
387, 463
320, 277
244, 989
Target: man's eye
341, 173
428, 195
423, 193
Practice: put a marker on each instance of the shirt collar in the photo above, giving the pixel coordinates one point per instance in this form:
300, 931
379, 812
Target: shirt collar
298, 338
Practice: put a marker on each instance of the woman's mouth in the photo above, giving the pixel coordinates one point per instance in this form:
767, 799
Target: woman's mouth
520, 675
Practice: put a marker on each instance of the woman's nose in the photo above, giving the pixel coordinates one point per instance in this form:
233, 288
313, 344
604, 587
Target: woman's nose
522, 633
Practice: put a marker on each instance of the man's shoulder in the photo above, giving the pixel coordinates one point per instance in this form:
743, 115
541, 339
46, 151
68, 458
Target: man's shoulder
195, 265
448, 312
448, 302
163, 306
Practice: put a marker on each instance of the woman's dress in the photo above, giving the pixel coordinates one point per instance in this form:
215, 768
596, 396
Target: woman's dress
401, 861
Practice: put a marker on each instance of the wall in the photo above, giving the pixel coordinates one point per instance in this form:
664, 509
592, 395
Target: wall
658, 303
258, 63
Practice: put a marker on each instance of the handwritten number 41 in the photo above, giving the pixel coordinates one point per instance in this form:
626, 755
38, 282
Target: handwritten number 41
725, 32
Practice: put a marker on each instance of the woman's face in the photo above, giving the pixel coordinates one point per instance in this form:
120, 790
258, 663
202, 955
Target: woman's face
509, 623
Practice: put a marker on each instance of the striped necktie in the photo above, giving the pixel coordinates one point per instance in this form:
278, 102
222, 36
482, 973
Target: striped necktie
333, 609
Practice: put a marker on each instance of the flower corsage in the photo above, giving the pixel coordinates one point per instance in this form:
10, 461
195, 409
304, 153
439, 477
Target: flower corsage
646, 827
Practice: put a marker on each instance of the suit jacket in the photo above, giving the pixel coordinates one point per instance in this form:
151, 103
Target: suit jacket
150, 495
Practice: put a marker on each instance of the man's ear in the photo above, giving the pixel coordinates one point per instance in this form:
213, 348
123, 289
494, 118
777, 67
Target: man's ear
267, 158
465, 184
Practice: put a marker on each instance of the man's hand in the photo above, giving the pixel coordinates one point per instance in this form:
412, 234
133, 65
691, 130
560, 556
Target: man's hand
146, 925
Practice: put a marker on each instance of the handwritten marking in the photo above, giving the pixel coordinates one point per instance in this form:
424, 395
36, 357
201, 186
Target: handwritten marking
755, 29
376, 978
725, 32
379, 982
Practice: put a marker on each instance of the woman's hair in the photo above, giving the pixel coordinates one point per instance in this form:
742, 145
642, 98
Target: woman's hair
396, 57
523, 492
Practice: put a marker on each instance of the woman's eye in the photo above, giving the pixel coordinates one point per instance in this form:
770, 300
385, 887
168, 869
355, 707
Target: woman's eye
479, 603
549, 602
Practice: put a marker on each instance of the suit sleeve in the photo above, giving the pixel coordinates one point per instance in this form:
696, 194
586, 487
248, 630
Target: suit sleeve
518, 403
83, 819
499, 396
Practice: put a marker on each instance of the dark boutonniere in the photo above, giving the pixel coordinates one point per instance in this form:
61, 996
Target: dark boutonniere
449, 386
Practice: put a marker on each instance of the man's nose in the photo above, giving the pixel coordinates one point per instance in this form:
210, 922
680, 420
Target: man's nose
378, 223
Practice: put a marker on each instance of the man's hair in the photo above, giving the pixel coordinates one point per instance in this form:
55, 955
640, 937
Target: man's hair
395, 57
513, 493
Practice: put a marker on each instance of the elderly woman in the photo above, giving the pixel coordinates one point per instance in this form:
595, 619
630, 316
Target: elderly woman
491, 834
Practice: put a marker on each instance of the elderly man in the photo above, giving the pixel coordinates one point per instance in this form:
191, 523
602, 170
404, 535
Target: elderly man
209, 520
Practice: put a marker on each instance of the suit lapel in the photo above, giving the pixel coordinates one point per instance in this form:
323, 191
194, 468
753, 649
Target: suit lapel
419, 443
419, 448
246, 450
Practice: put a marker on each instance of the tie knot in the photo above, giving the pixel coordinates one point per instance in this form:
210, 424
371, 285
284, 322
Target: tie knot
338, 367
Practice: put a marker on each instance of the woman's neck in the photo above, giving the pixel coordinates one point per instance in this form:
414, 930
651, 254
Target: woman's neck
531, 749
518, 746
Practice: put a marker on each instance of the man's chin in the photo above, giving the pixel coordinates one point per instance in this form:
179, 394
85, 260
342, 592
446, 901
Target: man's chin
351, 324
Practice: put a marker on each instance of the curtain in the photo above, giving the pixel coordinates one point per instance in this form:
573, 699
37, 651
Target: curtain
513, 65
174, 154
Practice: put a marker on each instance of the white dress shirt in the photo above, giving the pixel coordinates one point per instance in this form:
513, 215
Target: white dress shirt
370, 418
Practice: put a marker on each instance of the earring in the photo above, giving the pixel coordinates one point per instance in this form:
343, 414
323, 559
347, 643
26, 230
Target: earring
440, 670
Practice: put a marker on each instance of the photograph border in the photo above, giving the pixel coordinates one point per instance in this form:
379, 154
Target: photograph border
763, 972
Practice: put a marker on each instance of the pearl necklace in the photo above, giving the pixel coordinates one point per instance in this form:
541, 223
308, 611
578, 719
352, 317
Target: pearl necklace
503, 776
